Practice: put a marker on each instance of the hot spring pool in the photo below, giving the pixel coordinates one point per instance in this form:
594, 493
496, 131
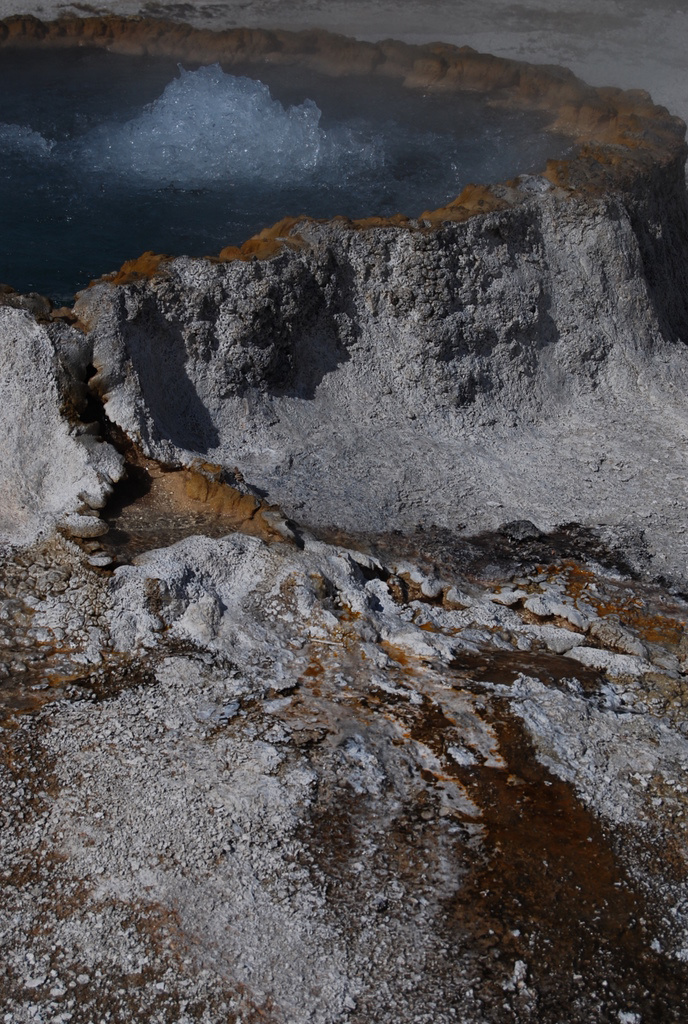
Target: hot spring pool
103, 156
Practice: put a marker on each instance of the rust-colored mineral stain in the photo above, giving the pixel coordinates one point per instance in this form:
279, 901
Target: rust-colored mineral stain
268, 242
284, 234
625, 603
542, 884
158, 506
140, 269
474, 199
552, 890
217, 497
398, 654
551, 873
17, 698
54, 676
314, 670
545, 886
429, 627
503, 667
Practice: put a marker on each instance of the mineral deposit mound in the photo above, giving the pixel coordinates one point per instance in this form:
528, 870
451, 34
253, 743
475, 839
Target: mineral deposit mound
354, 551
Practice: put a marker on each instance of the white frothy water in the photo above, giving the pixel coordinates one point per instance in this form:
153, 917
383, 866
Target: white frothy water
206, 127
20, 140
209, 126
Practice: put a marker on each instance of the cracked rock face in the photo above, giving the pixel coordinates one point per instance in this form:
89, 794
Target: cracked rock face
279, 741
377, 379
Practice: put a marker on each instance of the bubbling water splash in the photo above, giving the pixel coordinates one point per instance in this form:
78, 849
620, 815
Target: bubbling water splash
209, 127
18, 140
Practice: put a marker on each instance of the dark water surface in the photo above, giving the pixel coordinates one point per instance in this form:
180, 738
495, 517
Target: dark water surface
104, 156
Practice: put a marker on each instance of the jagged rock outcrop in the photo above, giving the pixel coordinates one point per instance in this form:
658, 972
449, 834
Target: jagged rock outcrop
377, 378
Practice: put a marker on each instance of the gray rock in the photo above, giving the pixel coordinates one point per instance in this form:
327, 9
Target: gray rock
613, 635
376, 379
509, 597
100, 560
609, 662
521, 529
83, 526
46, 470
557, 640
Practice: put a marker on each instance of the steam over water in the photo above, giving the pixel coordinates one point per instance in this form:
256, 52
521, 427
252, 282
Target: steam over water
103, 157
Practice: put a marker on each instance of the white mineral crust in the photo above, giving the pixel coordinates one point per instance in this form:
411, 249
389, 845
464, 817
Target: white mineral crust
48, 472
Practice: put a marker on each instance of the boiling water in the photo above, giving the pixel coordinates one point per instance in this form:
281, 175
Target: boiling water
103, 157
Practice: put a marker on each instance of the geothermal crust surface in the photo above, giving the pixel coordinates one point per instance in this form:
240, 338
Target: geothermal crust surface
328, 772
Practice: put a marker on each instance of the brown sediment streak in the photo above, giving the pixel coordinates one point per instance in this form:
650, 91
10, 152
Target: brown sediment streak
158, 505
201, 488
204, 485
620, 135
551, 888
